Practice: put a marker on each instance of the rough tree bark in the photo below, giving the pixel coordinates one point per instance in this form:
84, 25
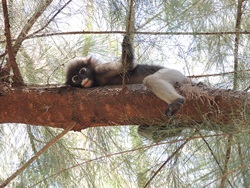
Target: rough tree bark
105, 106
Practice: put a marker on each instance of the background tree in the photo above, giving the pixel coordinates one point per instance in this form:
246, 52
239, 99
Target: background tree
197, 37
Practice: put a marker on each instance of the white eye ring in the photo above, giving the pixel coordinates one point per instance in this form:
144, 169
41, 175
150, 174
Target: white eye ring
82, 71
75, 78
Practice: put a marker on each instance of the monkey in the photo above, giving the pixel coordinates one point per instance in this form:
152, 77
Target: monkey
88, 72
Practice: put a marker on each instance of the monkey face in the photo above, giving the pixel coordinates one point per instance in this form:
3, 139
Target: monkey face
82, 78
80, 73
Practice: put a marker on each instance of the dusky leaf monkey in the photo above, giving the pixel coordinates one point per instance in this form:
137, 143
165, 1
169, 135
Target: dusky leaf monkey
89, 72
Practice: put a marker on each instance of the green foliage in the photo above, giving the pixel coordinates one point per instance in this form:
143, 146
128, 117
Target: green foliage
119, 156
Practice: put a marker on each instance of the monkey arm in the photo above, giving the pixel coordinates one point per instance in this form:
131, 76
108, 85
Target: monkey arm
111, 69
128, 54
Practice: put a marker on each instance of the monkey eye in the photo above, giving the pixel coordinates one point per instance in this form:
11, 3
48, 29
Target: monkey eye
75, 78
82, 71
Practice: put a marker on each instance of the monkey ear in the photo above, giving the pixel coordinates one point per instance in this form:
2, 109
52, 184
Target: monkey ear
91, 61
89, 58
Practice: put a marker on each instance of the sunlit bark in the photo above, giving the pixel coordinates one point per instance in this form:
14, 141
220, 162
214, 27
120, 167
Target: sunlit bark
59, 107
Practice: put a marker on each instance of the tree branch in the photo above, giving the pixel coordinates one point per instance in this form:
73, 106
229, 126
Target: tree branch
218, 74
236, 44
31, 160
50, 20
136, 32
104, 106
17, 78
142, 33
22, 36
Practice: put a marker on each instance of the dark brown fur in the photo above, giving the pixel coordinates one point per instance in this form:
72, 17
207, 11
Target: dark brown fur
88, 72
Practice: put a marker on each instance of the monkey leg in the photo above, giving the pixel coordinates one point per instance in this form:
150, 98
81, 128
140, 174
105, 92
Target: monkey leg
162, 88
161, 84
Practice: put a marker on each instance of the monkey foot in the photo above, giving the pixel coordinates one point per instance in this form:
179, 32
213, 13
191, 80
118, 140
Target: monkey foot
174, 107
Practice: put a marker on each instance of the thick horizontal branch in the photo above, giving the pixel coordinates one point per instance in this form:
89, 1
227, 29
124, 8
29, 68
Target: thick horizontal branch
104, 106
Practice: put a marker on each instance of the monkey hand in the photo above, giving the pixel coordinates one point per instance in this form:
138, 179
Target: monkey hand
126, 42
127, 58
174, 107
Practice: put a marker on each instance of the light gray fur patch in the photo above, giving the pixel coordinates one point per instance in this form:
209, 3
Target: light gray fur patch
162, 84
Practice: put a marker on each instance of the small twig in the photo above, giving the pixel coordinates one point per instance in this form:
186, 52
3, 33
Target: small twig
219, 74
168, 159
247, 88
241, 167
50, 20
135, 32
45, 148
126, 151
212, 153
32, 143
142, 33
227, 157
23, 34
236, 44
17, 78
3, 54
